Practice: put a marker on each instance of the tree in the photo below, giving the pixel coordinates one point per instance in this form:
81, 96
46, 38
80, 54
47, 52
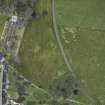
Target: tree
20, 8
31, 103
64, 86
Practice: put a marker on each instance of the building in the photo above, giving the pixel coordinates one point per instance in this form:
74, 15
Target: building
14, 19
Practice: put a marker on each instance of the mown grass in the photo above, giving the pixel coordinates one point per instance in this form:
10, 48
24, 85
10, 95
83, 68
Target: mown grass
41, 60
81, 24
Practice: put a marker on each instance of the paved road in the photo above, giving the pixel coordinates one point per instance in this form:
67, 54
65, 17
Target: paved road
1, 78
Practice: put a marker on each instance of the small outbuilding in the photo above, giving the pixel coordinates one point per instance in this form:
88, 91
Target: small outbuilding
14, 19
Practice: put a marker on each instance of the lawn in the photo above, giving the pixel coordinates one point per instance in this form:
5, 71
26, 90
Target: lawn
82, 30
41, 60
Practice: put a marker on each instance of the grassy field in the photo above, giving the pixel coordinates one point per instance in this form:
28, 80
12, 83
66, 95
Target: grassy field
82, 29
40, 58
2, 22
32, 95
82, 13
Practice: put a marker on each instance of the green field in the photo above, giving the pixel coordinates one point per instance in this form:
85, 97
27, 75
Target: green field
82, 30
40, 57
2, 22
81, 13
81, 26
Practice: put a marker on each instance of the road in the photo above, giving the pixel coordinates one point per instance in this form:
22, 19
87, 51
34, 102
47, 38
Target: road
1, 78
7, 43
58, 38
7, 36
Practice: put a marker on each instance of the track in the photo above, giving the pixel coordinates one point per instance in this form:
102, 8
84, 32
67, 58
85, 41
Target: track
58, 38
68, 64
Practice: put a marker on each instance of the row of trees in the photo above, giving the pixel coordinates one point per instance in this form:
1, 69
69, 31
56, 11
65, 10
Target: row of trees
23, 8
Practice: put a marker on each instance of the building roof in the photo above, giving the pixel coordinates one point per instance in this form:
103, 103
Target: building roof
14, 19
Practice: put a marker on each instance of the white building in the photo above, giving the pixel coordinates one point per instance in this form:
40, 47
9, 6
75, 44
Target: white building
14, 19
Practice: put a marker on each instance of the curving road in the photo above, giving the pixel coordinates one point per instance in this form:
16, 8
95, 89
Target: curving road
58, 38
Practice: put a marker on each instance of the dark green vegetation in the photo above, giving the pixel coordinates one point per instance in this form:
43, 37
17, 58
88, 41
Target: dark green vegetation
82, 29
21, 8
41, 60
24, 92
64, 86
